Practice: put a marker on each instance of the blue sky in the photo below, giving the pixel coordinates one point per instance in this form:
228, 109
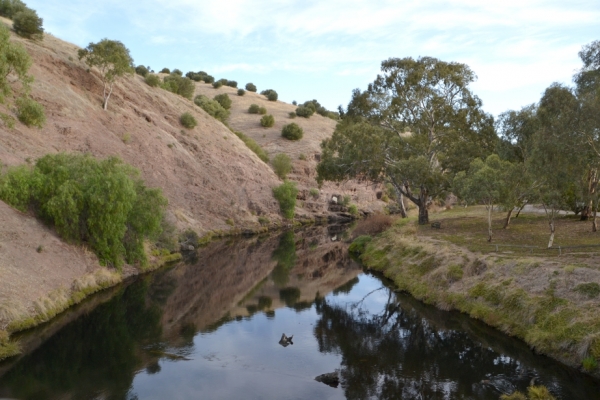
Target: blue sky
323, 49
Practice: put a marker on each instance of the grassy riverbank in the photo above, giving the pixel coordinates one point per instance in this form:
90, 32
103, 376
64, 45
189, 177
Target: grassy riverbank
550, 302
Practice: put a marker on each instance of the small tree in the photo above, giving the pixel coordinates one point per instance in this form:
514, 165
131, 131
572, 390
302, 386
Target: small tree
232, 84
286, 196
253, 109
267, 121
112, 59
212, 107
292, 132
180, 85
30, 112
270, 94
241, 92
282, 165
152, 80
251, 87
177, 72
224, 100
141, 70
165, 71
217, 84
28, 24
305, 112
9, 8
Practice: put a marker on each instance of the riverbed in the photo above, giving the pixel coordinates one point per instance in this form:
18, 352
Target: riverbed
211, 327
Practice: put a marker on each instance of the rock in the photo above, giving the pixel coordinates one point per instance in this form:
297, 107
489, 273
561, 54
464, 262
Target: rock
332, 379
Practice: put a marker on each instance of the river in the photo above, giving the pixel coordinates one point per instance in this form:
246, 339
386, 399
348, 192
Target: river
210, 328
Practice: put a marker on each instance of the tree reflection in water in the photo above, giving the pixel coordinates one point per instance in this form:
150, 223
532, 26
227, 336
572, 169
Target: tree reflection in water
393, 351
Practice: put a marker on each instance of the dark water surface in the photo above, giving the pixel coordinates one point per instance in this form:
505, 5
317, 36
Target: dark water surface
210, 329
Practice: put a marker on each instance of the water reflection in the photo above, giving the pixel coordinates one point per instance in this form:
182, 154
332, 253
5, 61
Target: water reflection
214, 328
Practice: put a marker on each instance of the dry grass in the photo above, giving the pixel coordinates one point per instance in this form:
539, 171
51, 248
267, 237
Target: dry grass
372, 225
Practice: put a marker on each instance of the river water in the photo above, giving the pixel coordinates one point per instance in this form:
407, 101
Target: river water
210, 328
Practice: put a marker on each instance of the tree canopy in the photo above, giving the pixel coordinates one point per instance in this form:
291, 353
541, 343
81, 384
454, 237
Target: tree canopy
113, 60
415, 126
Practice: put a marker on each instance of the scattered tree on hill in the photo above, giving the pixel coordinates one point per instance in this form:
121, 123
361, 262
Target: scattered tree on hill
253, 109
217, 84
141, 70
15, 63
28, 24
241, 92
286, 194
8, 8
224, 100
270, 94
188, 120
180, 85
112, 58
251, 87
177, 72
165, 71
212, 107
267, 121
416, 126
292, 131
152, 80
282, 165
232, 84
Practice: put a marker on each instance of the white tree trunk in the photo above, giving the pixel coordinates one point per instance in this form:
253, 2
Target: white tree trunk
107, 96
551, 241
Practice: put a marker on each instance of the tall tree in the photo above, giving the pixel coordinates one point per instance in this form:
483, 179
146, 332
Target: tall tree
416, 125
112, 58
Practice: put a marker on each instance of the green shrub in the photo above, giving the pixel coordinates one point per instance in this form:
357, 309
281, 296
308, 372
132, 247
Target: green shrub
241, 92
26, 23
252, 145
282, 165
212, 107
8, 8
262, 110
141, 70
251, 87
270, 94
102, 203
224, 100
286, 196
295, 102
188, 120
353, 209
217, 84
292, 132
152, 80
253, 109
180, 85
177, 72
314, 192
165, 71
292, 114
359, 244
232, 84
30, 112
267, 121
304, 112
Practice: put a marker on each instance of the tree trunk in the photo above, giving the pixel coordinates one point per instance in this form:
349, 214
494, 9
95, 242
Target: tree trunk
551, 241
594, 225
423, 212
490, 208
106, 97
401, 204
520, 209
585, 212
507, 220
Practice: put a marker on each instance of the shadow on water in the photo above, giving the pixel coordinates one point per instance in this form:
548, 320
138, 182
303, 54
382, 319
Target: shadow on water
386, 345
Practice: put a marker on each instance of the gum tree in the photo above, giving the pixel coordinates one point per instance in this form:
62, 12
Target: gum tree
112, 58
415, 126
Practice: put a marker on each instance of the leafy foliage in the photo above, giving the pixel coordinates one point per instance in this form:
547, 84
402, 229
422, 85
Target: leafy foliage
304, 112
112, 58
252, 145
267, 121
142, 70
217, 84
282, 165
270, 94
180, 85
30, 112
212, 107
251, 87
224, 100
152, 80
102, 203
286, 194
292, 131
9, 8
28, 24
188, 120
232, 84
241, 92
253, 109
165, 71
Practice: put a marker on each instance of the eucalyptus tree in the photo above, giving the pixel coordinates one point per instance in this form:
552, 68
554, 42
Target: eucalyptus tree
415, 126
113, 60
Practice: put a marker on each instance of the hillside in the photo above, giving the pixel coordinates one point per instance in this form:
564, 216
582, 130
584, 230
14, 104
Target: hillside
208, 174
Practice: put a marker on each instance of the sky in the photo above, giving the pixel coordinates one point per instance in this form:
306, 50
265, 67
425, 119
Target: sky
324, 49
